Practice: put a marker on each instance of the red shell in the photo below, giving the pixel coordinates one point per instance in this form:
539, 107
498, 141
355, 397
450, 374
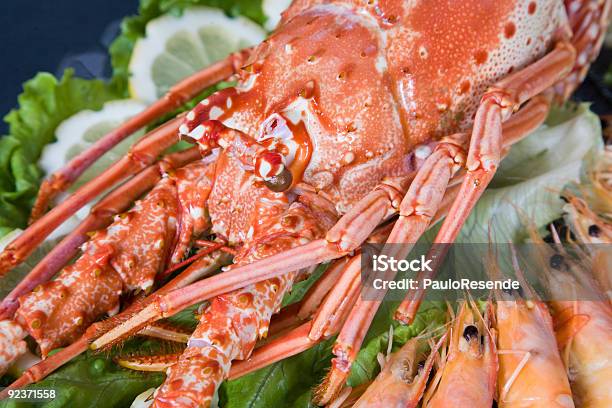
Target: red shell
371, 80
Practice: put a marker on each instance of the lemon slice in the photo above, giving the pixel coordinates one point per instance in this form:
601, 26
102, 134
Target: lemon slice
272, 10
178, 46
80, 131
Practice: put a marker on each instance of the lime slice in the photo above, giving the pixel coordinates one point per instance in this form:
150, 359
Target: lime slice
178, 46
272, 10
80, 131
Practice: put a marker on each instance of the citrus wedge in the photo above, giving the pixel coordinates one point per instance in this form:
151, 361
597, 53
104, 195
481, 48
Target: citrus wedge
177, 46
81, 130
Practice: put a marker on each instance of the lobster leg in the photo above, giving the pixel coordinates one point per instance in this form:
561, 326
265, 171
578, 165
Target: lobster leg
99, 217
287, 336
331, 297
347, 235
178, 95
321, 288
338, 302
291, 343
330, 316
332, 312
141, 155
329, 281
486, 148
418, 207
288, 345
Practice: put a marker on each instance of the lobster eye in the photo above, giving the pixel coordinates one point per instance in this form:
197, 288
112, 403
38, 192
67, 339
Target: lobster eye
470, 332
280, 183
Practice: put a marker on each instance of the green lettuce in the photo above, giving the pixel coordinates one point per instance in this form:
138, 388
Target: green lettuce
431, 317
91, 381
287, 383
44, 103
300, 288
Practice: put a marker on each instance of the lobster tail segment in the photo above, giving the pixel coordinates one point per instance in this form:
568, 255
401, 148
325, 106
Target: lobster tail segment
128, 256
58, 312
124, 257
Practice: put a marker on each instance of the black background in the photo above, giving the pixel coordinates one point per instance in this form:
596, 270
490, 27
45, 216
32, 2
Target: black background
37, 35
45, 35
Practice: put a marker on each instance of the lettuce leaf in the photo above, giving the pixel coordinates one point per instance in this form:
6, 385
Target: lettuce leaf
300, 288
44, 103
91, 381
287, 383
133, 28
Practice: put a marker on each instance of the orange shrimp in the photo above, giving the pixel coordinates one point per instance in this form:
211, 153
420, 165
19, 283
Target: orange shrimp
583, 323
531, 372
468, 376
402, 381
589, 218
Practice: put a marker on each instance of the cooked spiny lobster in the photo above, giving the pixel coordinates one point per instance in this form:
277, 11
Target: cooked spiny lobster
351, 114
